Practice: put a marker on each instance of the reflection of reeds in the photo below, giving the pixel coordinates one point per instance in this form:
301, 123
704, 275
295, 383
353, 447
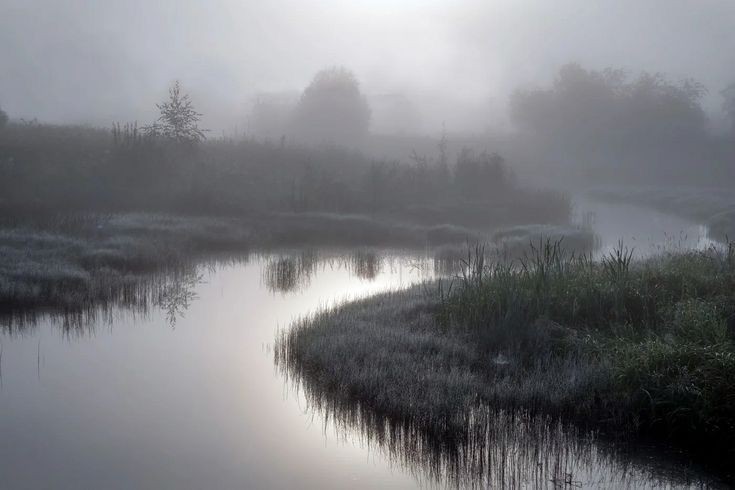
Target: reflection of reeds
172, 291
373, 368
498, 449
287, 274
365, 264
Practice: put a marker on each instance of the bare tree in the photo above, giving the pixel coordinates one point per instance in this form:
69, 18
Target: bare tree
178, 120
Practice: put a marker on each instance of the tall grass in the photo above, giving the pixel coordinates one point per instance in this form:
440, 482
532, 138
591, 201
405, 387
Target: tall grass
51, 169
656, 331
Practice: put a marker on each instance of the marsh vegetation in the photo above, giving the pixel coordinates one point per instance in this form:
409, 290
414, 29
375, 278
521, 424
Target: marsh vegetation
205, 331
493, 250
631, 349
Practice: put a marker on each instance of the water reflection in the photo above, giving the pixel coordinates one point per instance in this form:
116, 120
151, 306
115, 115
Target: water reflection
175, 297
366, 264
171, 291
290, 273
148, 386
174, 290
200, 406
648, 231
498, 449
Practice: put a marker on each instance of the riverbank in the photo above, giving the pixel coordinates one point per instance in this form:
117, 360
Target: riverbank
635, 349
73, 262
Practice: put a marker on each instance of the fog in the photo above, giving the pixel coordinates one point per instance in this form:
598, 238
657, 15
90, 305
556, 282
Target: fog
367, 244
453, 62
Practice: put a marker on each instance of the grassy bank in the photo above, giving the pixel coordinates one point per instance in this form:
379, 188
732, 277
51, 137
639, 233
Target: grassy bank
71, 262
638, 349
74, 262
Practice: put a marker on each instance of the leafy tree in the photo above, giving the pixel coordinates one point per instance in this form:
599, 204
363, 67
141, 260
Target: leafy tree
604, 116
3, 118
332, 108
178, 120
577, 99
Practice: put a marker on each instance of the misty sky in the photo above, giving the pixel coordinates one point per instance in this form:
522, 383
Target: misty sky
97, 61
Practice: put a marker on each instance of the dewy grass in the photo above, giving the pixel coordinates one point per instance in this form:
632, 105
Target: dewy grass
70, 261
634, 347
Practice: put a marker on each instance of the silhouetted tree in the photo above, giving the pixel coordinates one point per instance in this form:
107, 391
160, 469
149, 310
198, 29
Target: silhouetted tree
3, 118
577, 99
589, 115
332, 108
178, 120
587, 102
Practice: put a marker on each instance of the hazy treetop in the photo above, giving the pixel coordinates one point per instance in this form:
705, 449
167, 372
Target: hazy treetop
332, 108
86, 61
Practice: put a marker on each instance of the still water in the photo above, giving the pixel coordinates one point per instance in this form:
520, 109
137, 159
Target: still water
184, 394
646, 231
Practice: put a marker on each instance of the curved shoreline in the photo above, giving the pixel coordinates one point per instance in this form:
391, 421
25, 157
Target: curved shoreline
414, 359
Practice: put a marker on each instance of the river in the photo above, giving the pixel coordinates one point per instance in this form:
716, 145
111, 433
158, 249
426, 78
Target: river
184, 393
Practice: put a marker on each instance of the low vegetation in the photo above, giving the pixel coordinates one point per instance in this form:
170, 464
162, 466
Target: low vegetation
635, 348
50, 169
74, 262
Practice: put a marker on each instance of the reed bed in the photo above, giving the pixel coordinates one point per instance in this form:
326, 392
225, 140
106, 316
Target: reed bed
625, 347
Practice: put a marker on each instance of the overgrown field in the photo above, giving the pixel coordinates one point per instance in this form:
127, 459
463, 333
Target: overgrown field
634, 348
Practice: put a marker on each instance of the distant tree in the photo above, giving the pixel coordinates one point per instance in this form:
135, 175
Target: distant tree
728, 104
3, 118
578, 101
178, 120
603, 115
332, 108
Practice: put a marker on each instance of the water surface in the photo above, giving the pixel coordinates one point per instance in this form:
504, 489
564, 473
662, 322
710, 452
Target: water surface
185, 394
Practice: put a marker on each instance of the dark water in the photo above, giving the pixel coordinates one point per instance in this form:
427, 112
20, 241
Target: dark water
182, 392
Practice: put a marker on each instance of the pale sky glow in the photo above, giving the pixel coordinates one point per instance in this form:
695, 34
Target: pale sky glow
97, 61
